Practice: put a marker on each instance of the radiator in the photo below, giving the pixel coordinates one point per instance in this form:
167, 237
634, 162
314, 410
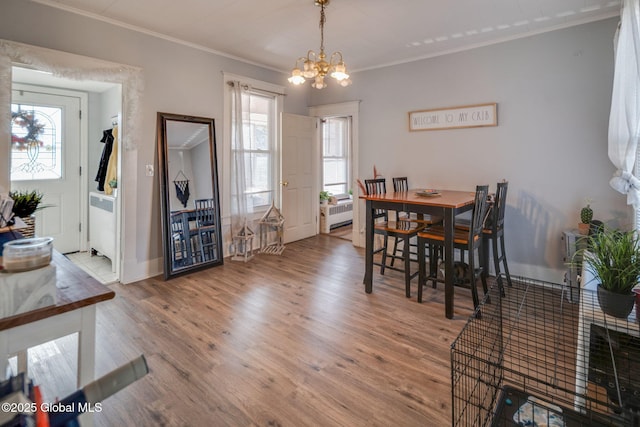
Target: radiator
102, 225
332, 216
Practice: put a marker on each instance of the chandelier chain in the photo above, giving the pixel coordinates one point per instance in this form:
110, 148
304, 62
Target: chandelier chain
322, 21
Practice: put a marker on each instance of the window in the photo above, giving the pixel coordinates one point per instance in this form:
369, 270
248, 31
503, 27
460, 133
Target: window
36, 142
336, 150
256, 145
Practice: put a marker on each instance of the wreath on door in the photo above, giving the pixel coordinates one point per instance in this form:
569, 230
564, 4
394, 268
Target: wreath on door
28, 128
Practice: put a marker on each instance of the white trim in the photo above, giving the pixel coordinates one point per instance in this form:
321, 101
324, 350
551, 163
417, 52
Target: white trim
79, 67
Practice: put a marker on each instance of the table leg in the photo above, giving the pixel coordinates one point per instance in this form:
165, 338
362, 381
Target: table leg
4, 355
368, 269
87, 346
448, 263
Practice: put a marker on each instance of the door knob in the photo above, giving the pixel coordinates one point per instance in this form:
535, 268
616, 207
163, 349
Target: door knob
284, 183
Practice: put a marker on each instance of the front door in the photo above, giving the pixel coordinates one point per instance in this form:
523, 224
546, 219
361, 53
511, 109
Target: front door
52, 165
299, 172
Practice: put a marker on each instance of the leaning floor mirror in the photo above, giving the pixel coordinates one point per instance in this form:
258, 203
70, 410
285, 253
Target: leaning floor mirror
189, 189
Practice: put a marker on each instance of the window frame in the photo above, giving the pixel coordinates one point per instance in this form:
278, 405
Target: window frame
346, 157
264, 89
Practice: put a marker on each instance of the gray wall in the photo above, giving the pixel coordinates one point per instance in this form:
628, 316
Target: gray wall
553, 92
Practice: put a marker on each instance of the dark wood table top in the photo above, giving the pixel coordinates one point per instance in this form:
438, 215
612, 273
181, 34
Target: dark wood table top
75, 289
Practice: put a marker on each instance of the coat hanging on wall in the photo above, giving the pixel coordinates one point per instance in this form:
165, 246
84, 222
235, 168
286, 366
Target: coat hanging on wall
182, 188
107, 139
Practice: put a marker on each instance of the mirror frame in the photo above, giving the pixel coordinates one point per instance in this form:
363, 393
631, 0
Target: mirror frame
163, 147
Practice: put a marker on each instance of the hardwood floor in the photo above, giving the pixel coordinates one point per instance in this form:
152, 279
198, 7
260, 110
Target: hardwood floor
290, 340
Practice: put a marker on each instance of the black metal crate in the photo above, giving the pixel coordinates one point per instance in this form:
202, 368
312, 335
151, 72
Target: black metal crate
531, 346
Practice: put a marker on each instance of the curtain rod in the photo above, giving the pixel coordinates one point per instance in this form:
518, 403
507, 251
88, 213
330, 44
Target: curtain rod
247, 87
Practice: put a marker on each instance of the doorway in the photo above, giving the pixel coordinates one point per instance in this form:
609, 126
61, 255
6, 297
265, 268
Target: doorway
339, 169
74, 110
335, 137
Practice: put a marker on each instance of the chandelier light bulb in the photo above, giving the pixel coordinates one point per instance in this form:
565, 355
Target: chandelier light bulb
345, 82
319, 82
296, 77
340, 72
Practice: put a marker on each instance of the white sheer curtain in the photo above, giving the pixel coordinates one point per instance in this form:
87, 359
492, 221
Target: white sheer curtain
238, 167
624, 119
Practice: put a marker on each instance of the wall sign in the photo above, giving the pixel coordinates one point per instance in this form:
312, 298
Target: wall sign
467, 116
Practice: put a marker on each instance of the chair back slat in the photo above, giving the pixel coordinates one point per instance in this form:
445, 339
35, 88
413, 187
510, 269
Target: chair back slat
374, 187
400, 184
500, 205
478, 215
205, 212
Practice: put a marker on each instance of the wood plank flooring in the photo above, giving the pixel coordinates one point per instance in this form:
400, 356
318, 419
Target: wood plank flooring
290, 340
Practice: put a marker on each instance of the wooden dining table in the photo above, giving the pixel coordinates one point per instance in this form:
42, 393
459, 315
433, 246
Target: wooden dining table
447, 204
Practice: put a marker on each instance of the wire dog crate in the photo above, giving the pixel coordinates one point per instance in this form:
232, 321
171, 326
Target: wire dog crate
531, 358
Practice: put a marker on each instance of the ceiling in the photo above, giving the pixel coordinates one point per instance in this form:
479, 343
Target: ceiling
369, 33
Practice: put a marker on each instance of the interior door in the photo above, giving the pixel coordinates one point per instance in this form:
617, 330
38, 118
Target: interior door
55, 169
298, 178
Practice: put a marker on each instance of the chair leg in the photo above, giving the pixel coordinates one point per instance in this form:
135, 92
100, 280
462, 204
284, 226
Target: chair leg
395, 250
503, 256
383, 264
474, 287
407, 267
433, 265
421, 267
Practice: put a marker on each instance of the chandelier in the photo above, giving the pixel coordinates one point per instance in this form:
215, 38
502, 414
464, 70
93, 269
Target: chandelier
315, 66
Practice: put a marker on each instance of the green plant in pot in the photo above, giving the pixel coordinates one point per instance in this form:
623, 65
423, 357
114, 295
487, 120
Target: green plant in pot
613, 257
324, 197
25, 203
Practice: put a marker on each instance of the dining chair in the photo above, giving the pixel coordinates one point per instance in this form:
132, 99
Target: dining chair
470, 241
493, 232
402, 230
179, 251
207, 229
401, 184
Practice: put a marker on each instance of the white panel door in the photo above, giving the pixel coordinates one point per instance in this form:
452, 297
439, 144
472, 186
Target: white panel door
55, 171
299, 173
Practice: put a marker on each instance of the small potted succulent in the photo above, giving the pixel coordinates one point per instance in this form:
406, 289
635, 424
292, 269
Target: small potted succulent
586, 216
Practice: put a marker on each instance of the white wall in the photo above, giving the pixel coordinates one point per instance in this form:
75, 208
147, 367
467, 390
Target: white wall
177, 79
553, 92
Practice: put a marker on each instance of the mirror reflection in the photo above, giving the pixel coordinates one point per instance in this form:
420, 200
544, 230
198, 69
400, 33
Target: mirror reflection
191, 212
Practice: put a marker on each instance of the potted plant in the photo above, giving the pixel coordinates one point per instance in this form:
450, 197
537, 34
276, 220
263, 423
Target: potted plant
25, 203
114, 187
324, 197
586, 215
613, 257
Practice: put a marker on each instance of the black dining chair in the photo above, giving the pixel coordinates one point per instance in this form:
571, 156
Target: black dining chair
493, 232
207, 229
181, 251
402, 230
401, 184
469, 241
